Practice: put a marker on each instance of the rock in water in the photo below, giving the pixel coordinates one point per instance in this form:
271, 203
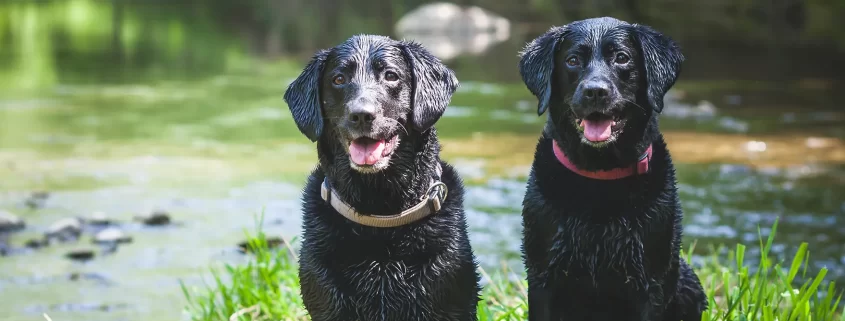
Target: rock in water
80, 254
157, 217
99, 219
40, 194
449, 30
272, 243
35, 243
37, 199
10, 222
4, 244
112, 235
66, 229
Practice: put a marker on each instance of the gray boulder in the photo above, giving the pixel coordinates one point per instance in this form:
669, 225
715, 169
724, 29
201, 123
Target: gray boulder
449, 30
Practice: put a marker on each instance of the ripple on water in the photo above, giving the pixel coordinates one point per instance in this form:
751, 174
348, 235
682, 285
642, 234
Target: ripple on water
459, 111
77, 307
497, 193
481, 88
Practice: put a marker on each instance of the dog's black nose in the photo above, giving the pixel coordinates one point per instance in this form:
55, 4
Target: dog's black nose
595, 90
361, 117
361, 113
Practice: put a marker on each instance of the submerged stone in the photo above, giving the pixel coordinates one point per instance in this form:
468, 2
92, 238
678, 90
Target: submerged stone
10, 222
112, 235
154, 218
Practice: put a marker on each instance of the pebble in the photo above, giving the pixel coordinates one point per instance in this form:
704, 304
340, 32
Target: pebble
10, 222
4, 245
40, 194
80, 254
65, 229
272, 242
96, 277
112, 235
99, 219
35, 243
37, 199
157, 217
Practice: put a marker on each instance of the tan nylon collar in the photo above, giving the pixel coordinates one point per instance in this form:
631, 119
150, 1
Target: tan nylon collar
430, 203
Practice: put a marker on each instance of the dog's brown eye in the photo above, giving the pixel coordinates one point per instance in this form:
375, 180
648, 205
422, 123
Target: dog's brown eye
391, 76
339, 80
572, 61
622, 58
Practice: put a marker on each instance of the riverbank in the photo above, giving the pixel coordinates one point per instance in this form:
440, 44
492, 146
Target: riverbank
267, 287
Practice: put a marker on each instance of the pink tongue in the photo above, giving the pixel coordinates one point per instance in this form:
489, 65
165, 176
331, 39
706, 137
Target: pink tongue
597, 130
366, 152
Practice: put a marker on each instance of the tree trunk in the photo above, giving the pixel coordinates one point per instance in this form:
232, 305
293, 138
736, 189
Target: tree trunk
273, 42
331, 21
386, 13
116, 29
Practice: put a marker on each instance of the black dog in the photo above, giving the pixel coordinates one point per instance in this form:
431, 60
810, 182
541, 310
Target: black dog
384, 233
601, 215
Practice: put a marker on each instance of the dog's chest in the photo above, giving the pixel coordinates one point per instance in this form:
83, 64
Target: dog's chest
375, 278
388, 290
597, 252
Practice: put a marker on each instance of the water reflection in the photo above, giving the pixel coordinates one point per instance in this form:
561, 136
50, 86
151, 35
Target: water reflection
449, 30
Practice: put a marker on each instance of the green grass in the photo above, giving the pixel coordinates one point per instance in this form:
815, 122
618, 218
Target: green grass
267, 288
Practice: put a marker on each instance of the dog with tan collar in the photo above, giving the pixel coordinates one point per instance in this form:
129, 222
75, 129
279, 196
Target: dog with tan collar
384, 233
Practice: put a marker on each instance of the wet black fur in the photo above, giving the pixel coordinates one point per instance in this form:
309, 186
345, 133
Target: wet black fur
422, 271
605, 249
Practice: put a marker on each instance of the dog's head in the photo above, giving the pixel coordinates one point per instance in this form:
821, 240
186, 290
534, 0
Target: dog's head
367, 94
602, 79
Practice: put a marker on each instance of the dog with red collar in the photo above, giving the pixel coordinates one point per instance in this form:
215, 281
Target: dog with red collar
601, 214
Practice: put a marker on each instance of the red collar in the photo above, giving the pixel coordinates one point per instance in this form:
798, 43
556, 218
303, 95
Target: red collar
616, 173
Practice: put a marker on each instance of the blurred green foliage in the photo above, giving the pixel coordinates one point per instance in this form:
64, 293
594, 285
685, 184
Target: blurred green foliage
43, 42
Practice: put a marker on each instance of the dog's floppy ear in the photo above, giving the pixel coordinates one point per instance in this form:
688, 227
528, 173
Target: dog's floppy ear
303, 97
432, 87
662, 58
537, 63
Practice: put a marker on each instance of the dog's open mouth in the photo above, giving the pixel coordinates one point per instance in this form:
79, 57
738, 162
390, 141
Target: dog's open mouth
600, 127
366, 151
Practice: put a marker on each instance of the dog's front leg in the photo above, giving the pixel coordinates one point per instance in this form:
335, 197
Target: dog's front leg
650, 306
321, 299
540, 302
